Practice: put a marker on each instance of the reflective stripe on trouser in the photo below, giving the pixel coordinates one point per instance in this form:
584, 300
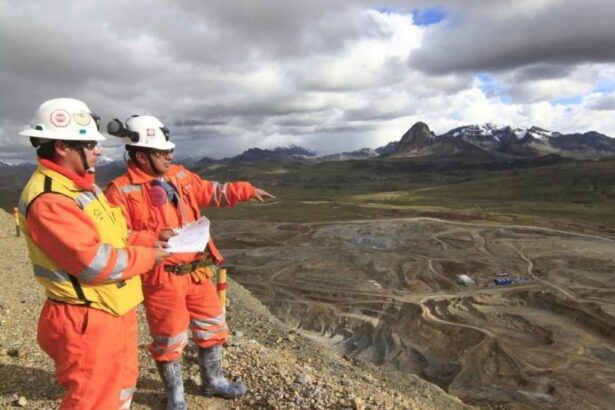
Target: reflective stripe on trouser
176, 304
205, 329
126, 398
95, 354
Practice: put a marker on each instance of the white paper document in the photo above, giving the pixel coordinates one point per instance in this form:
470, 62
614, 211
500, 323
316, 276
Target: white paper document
192, 237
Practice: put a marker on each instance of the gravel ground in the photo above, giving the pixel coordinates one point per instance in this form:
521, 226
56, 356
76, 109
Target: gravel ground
282, 369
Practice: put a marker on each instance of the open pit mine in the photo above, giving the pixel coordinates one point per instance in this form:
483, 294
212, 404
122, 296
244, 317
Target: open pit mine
506, 314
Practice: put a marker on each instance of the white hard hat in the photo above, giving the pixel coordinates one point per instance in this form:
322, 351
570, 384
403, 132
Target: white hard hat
64, 119
143, 131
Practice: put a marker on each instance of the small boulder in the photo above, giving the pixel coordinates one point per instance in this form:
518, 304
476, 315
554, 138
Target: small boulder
14, 352
20, 402
302, 378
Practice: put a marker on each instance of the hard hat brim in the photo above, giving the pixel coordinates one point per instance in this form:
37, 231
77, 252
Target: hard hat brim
91, 136
162, 146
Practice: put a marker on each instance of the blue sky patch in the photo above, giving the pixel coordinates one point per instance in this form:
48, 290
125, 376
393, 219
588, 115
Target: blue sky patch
490, 86
487, 83
420, 17
576, 99
428, 16
605, 86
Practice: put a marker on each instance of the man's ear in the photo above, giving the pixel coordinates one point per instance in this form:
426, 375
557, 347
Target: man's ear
61, 149
141, 157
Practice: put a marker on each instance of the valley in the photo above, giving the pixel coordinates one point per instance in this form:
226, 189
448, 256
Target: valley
387, 292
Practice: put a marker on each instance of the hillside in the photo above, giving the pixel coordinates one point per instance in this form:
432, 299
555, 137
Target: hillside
551, 188
282, 369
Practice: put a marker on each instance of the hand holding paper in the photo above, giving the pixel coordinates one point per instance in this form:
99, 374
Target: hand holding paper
192, 237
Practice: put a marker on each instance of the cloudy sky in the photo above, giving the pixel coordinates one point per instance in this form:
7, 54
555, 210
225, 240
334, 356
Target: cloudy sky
227, 75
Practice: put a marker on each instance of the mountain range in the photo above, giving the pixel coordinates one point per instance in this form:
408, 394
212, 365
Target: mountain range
489, 139
486, 141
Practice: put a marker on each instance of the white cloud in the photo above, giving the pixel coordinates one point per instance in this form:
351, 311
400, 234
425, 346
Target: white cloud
600, 102
332, 76
541, 90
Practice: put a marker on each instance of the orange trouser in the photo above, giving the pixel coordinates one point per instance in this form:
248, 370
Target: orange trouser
95, 354
174, 303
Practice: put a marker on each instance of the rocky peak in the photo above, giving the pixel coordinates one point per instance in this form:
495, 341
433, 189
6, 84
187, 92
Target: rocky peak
418, 136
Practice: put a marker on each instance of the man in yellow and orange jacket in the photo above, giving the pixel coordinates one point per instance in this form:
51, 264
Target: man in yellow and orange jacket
157, 197
77, 244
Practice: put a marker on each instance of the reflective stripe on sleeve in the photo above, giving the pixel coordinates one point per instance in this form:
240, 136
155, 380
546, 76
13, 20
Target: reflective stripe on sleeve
100, 261
219, 193
223, 196
215, 189
121, 264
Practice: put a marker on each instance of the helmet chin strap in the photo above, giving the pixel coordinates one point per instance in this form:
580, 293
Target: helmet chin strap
152, 166
86, 168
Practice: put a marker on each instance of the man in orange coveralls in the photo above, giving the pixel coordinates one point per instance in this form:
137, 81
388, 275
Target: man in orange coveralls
77, 244
157, 197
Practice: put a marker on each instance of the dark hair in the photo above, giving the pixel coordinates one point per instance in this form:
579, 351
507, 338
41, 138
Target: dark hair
46, 150
132, 151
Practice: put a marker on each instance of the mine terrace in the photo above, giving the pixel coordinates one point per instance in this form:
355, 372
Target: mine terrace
534, 324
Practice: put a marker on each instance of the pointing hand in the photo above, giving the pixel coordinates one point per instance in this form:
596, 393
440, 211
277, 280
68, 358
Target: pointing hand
261, 195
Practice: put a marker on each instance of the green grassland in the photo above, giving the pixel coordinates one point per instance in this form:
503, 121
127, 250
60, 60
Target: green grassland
580, 192
544, 191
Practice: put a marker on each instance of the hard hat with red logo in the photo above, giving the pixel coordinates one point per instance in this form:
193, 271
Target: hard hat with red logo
144, 131
64, 119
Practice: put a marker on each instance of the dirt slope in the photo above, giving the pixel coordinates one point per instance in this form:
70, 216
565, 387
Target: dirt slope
282, 369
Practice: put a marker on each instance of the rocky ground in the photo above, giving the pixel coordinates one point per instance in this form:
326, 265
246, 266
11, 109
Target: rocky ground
283, 370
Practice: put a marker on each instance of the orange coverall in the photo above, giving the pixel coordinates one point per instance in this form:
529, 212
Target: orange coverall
174, 302
95, 353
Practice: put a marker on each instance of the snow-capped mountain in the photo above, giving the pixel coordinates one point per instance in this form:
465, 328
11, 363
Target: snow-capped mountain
504, 140
490, 134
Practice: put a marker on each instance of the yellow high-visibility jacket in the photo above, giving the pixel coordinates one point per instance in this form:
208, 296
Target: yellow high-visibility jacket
77, 244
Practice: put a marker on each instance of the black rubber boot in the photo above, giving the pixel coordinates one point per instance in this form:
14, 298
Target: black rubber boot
171, 375
214, 382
